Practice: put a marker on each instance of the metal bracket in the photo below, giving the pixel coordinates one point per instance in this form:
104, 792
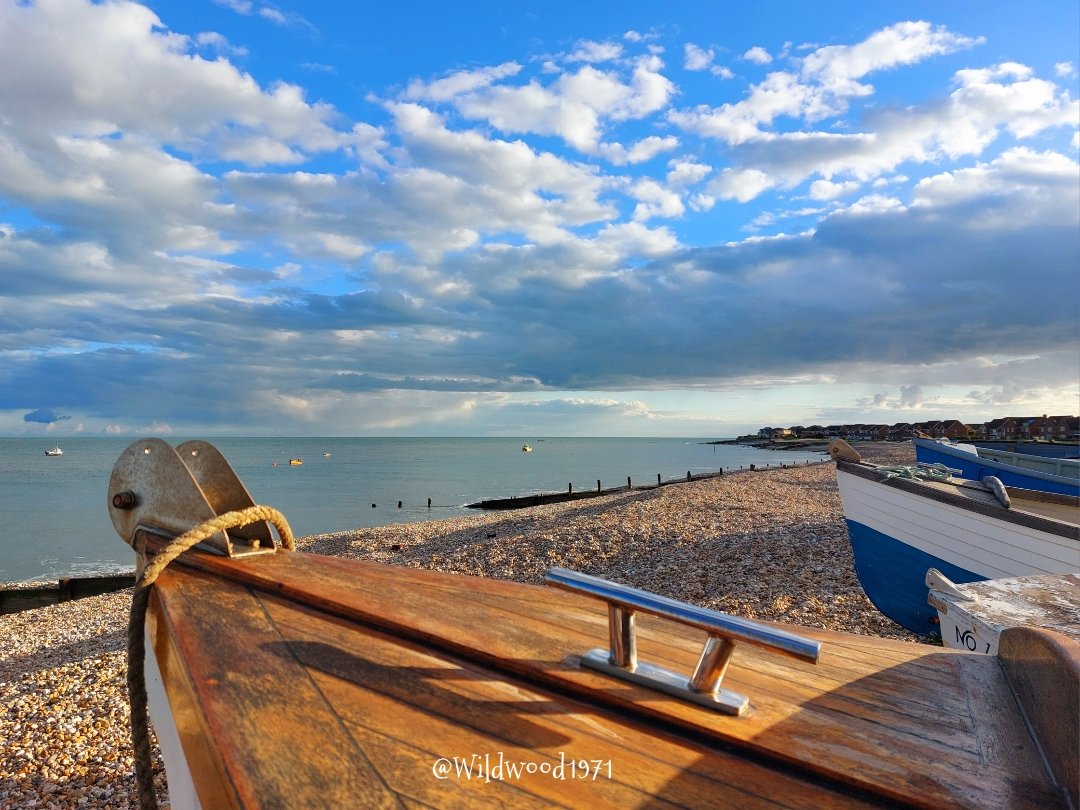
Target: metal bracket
157, 488
703, 687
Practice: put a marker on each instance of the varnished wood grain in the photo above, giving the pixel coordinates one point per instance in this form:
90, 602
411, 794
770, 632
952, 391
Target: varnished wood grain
263, 715
381, 686
906, 723
1044, 669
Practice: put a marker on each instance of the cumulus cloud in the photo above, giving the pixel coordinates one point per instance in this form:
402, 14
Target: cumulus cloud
460, 82
640, 152
986, 104
574, 107
496, 233
697, 58
826, 81
828, 190
758, 55
590, 51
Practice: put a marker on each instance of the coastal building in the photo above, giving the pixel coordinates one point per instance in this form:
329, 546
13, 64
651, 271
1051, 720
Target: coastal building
1060, 428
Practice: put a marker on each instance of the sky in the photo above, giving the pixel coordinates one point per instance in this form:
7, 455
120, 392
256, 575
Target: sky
235, 217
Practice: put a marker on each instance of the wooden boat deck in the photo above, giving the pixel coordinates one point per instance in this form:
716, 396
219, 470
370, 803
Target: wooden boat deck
307, 681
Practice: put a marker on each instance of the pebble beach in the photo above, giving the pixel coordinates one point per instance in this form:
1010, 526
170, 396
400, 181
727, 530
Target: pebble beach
766, 544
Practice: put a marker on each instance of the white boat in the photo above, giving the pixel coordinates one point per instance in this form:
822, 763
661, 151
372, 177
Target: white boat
1012, 469
901, 527
973, 616
526, 449
56, 451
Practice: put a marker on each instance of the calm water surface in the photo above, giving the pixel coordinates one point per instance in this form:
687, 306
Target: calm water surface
54, 518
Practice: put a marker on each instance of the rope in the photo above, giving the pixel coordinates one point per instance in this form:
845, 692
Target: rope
932, 472
136, 676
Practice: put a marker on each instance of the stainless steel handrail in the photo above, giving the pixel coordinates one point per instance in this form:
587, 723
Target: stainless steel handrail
724, 631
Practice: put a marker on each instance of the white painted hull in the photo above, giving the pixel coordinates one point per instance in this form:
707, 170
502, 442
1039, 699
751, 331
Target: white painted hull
990, 547
897, 535
182, 794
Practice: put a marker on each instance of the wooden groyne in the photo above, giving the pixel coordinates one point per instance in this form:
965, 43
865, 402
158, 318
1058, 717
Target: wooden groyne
35, 595
524, 501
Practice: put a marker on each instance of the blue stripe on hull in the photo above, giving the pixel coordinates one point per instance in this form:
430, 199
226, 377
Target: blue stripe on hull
893, 574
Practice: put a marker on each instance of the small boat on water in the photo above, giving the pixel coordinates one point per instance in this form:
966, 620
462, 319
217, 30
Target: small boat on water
281, 678
526, 448
56, 451
901, 525
973, 616
1012, 469
295, 462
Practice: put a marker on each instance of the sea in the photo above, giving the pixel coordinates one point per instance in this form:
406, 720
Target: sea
54, 519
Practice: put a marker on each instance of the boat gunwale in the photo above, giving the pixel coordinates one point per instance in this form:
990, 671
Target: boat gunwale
934, 446
987, 508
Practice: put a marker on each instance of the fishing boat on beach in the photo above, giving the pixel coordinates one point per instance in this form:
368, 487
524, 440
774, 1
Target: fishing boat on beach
56, 451
974, 615
1012, 469
281, 678
903, 522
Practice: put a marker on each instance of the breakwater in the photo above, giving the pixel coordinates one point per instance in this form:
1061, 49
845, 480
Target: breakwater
540, 498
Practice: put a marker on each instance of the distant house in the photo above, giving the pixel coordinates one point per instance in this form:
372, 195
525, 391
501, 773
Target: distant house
900, 431
955, 429
870, 433
934, 428
1068, 427
775, 433
1009, 427
1003, 428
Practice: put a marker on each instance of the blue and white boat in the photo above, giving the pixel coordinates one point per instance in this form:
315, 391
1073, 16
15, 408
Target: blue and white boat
901, 527
1023, 470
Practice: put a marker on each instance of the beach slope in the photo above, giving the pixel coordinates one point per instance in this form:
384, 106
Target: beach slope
768, 544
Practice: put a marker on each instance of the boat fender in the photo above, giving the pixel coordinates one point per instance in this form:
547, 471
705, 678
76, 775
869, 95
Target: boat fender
993, 483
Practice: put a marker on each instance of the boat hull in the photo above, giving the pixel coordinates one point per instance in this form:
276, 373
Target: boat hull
891, 573
977, 466
898, 532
